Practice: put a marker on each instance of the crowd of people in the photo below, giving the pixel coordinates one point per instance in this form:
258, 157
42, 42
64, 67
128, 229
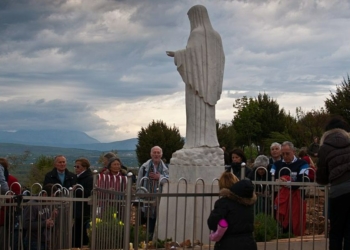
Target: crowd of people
238, 195
38, 219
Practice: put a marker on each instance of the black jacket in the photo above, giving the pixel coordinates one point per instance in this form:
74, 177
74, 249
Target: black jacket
86, 180
52, 177
334, 158
239, 213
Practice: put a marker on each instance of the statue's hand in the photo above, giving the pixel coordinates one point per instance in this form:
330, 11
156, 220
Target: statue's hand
170, 53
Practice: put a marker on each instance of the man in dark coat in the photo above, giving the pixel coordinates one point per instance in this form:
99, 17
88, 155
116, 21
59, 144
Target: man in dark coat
60, 174
334, 169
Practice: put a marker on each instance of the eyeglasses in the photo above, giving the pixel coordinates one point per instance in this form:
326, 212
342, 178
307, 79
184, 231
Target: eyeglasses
76, 166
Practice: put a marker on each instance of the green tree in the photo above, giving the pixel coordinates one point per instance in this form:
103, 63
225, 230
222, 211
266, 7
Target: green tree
272, 118
17, 160
309, 124
245, 121
255, 119
158, 134
40, 167
339, 102
226, 135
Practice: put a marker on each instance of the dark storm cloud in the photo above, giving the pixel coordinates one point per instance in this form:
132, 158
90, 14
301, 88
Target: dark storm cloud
111, 53
40, 114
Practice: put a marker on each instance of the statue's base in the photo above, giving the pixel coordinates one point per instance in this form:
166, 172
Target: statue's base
193, 163
185, 216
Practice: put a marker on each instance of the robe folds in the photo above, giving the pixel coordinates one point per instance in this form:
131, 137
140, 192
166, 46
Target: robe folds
201, 66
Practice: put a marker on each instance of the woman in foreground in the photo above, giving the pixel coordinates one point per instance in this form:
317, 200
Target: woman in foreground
236, 206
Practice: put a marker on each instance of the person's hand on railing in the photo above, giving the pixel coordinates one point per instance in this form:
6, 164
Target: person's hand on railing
154, 176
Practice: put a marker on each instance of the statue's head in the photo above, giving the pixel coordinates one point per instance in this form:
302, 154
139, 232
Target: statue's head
198, 16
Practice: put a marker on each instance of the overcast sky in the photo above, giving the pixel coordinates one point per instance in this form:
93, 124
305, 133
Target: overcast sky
99, 66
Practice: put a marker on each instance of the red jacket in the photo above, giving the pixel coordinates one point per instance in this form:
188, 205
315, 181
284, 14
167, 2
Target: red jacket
282, 204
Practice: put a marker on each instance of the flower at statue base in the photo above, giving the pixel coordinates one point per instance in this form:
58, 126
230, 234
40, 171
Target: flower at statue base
109, 231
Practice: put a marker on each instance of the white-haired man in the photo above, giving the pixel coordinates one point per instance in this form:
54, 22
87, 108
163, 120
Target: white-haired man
150, 176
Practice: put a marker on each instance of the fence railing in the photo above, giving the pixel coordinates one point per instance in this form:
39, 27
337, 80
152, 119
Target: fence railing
120, 218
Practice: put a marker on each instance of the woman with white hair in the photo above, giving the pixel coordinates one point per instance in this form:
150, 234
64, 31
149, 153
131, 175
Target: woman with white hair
275, 152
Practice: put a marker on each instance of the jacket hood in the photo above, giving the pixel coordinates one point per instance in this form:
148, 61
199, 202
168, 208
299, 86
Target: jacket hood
225, 192
337, 138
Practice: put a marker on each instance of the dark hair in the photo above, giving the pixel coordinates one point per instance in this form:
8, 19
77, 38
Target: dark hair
84, 162
337, 122
113, 159
238, 152
302, 152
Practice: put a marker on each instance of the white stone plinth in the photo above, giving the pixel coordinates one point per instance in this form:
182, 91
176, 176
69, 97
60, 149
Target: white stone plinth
204, 162
183, 218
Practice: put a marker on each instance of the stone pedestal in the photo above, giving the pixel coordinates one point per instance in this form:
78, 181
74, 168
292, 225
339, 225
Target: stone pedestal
182, 217
204, 162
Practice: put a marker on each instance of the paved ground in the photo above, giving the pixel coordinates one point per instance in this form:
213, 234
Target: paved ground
307, 243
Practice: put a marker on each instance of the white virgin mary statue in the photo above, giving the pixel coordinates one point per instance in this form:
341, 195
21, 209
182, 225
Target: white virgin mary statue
201, 66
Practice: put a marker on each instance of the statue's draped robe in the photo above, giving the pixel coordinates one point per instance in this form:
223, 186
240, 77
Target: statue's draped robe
201, 66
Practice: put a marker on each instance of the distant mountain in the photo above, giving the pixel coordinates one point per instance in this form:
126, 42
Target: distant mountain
64, 139
129, 144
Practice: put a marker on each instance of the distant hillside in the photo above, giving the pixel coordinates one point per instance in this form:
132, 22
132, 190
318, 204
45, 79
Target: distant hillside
64, 139
46, 137
129, 144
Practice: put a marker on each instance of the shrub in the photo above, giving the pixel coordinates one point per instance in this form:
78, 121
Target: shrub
265, 228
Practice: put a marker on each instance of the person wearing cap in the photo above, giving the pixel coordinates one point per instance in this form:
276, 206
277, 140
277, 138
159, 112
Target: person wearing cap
236, 206
114, 177
105, 160
334, 168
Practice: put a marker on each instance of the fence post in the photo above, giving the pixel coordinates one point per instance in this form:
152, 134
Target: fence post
242, 171
273, 194
127, 211
94, 211
70, 218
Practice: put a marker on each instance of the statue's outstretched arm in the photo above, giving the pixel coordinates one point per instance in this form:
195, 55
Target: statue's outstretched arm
170, 53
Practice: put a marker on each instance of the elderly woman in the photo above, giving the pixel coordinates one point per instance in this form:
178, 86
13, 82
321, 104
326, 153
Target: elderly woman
114, 177
236, 206
275, 151
82, 209
261, 172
